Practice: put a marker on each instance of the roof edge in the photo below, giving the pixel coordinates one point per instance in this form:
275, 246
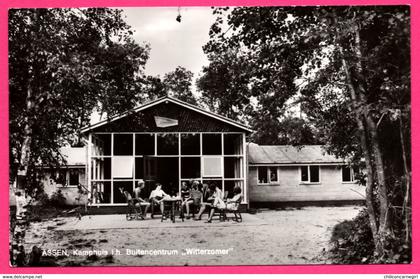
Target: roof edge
160, 100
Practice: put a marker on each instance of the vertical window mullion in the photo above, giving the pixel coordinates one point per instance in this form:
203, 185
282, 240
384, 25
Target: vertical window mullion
309, 173
179, 162
112, 167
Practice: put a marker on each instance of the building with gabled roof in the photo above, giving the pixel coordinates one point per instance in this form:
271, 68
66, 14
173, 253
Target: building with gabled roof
170, 141
284, 173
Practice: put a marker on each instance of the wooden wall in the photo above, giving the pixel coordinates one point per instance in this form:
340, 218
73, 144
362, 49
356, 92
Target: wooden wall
290, 189
70, 193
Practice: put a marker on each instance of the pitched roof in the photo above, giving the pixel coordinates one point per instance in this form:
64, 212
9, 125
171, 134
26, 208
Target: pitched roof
171, 100
75, 156
288, 154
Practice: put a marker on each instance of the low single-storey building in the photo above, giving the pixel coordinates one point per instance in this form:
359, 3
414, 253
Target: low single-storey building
69, 177
285, 173
170, 141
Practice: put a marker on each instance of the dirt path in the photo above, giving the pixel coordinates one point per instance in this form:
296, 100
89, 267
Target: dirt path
277, 237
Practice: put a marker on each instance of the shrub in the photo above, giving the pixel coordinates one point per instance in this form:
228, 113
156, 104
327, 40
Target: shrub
43, 199
57, 199
352, 241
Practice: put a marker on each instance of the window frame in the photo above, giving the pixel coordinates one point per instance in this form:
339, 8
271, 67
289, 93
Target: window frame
352, 175
269, 182
309, 174
67, 177
221, 169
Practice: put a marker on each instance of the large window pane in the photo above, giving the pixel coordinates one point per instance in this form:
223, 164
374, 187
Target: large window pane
122, 166
145, 144
102, 168
314, 173
123, 144
212, 144
190, 167
216, 182
101, 192
212, 166
139, 168
346, 173
232, 144
233, 167
126, 186
102, 144
230, 185
74, 177
262, 175
273, 174
107, 168
304, 174
167, 144
190, 144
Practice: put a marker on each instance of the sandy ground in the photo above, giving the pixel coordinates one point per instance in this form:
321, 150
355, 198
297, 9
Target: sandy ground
294, 236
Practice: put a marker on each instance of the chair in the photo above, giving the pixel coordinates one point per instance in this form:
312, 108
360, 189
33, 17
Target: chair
221, 211
194, 208
237, 214
153, 203
131, 212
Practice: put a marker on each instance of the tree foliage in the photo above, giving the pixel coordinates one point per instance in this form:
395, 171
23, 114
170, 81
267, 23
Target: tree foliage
177, 83
348, 67
252, 71
62, 64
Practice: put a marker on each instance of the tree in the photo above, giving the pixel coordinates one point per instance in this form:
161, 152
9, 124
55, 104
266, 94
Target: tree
352, 64
224, 84
289, 130
177, 83
245, 81
62, 64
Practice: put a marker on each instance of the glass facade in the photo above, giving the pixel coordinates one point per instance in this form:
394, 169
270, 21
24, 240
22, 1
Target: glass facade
119, 160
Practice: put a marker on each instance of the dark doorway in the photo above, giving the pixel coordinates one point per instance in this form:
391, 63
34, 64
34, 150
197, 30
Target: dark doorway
167, 174
163, 170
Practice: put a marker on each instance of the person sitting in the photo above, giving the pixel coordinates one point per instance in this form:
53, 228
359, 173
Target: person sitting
218, 192
229, 204
132, 207
185, 196
195, 198
209, 194
138, 200
157, 196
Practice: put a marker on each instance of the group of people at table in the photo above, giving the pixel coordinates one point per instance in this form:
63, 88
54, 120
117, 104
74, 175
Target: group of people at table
192, 195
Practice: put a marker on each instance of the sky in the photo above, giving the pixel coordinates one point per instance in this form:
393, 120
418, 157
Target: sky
172, 43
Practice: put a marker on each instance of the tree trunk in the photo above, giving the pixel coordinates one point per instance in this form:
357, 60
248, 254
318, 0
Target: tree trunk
361, 126
18, 251
26, 145
384, 216
407, 175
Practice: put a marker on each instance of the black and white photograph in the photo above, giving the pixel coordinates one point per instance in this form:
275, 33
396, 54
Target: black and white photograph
209, 136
